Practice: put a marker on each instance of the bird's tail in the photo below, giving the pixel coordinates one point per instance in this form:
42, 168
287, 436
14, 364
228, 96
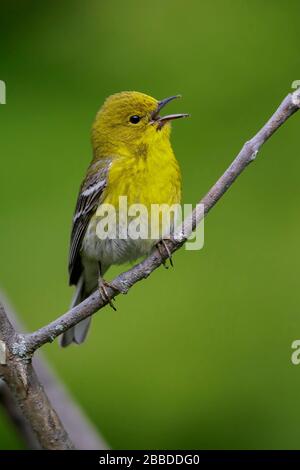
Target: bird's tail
77, 333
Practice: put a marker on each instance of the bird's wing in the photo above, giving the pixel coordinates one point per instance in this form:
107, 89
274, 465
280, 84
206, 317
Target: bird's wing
88, 200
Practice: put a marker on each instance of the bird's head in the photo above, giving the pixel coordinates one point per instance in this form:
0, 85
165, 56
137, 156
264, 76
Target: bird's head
129, 120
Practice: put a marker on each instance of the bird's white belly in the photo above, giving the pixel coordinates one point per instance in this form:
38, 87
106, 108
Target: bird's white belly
111, 251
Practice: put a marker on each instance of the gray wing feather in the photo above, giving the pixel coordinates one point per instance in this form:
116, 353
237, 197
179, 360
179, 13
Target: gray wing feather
88, 200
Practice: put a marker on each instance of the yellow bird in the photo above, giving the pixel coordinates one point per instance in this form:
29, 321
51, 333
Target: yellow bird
133, 158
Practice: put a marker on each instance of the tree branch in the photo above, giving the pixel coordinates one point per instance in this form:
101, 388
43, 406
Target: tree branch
28, 392
17, 418
126, 280
80, 430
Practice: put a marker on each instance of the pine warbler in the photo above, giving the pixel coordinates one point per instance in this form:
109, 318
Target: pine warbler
132, 157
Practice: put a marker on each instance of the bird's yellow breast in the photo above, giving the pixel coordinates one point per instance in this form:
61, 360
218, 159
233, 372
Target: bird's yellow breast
150, 176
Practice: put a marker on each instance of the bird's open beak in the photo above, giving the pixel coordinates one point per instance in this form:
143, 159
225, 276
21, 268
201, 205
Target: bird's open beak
161, 120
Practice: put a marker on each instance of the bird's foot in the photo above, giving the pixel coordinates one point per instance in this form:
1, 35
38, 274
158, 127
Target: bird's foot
103, 286
163, 249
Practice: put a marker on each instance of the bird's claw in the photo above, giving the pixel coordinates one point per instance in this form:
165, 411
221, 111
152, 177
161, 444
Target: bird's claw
161, 245
103, 285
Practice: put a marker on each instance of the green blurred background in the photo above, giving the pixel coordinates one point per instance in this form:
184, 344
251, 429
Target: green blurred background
198, 356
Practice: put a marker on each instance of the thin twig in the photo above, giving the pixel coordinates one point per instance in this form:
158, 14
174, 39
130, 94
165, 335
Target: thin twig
142, 270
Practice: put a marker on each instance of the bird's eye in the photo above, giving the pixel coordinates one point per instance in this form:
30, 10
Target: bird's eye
134, 119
